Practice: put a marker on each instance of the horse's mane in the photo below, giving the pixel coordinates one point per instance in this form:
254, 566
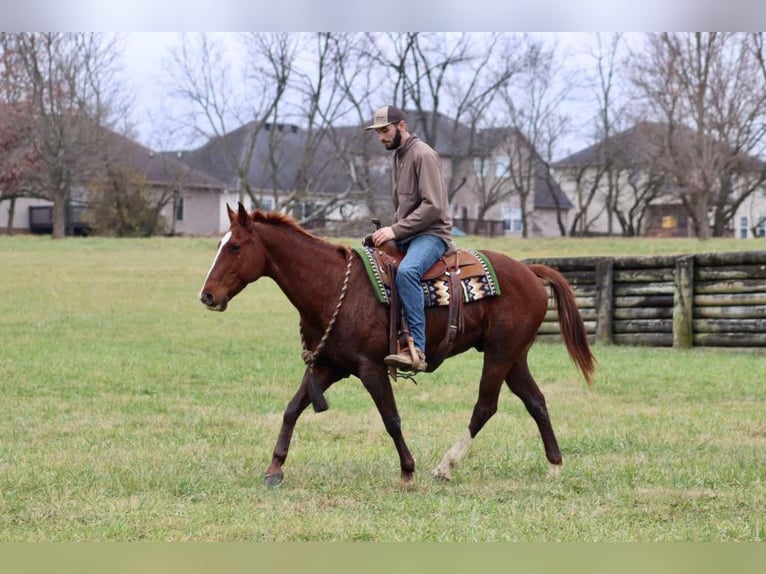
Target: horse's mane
284, 220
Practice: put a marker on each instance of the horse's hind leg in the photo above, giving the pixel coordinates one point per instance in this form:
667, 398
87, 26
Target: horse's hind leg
523, 385
376, 381
486, 406
323, 377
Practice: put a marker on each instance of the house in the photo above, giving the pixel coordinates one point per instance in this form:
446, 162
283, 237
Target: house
506, 175
626, 184
314, 174
344, 174
190, 198
336, 180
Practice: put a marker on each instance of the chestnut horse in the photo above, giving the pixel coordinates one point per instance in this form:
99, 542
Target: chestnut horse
344, 328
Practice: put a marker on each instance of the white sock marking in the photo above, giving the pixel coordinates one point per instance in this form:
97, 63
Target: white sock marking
453, 456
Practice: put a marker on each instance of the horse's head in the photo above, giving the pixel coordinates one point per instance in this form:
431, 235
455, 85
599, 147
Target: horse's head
240, 260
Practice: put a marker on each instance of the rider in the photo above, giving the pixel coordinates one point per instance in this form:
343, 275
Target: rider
422, 226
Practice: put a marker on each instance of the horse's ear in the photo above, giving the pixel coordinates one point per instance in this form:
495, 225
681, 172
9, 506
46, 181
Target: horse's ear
231, 212
243, 216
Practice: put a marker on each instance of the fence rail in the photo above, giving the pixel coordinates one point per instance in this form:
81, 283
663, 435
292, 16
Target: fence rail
705, 299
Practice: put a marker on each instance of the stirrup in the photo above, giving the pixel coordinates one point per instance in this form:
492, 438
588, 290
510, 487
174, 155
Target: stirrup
407, 360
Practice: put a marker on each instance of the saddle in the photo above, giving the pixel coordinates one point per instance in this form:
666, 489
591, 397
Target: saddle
465, 263
443, 281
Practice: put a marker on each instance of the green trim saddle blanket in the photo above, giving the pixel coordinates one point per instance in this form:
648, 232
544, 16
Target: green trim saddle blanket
477, 278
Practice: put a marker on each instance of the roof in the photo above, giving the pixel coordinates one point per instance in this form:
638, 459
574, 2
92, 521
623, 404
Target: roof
446, 135
117, 149
641, 144
159, 168
547, 191
277, 170
634, 146
329, 172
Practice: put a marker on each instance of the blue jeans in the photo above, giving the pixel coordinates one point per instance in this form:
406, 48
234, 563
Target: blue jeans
421, 253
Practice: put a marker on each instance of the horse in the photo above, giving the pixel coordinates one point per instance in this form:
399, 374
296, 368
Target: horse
344, 328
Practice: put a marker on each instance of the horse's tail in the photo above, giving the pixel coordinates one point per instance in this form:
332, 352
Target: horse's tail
572, 327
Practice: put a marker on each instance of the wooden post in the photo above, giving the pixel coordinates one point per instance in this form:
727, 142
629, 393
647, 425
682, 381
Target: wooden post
683, 302
604, 300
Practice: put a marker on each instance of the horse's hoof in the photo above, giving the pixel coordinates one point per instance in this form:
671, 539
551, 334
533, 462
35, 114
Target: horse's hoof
273, 480
441, 475
554, 470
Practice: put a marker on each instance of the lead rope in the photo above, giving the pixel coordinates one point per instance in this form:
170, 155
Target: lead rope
310, 357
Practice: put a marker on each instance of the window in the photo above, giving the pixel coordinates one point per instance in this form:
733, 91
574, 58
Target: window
480, 166
304, 209
669, 222
743, 227
512, 219
267, 203
502, 166
760, 229
179, 208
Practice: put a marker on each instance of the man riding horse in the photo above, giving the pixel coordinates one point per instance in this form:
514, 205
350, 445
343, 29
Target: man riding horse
422, 225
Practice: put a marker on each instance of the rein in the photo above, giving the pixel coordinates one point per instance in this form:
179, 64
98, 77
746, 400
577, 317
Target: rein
310, 357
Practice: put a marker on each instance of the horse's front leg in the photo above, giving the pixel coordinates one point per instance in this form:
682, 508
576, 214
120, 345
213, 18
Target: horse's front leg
323, 377
376, 381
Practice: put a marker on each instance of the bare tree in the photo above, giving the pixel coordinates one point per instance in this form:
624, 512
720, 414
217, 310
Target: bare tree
450, 82
606, 55
360, 153
536, 122
707, 89
217, 103
279, 135
69, 88
324, 163
597, 172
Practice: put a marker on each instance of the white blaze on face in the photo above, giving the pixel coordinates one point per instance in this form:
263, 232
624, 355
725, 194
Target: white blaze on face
224, 241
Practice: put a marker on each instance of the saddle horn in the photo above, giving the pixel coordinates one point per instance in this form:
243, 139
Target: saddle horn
388, 247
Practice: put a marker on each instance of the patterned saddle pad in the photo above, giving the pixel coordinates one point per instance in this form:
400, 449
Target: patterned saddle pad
477, 277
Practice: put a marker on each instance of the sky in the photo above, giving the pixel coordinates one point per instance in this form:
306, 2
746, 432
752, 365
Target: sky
145, 50
142, 61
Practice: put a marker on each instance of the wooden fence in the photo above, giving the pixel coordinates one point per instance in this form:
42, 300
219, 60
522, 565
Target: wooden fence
705, 299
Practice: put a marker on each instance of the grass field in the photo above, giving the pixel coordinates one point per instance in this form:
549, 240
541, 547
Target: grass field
131, 413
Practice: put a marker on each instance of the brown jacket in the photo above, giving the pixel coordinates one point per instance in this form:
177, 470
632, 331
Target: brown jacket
420, 192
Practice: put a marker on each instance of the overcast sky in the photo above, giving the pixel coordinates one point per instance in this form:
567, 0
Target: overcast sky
143, 57
143, 60
145, 51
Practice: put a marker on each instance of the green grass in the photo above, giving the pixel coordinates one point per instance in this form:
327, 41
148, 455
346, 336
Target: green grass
131, 413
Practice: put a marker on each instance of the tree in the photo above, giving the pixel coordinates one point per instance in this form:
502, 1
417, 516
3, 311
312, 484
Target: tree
455, 76
17, 160
707, 89
68, 87
16, 157
215, 103
325, 160
536, 124
124, 206
278, 135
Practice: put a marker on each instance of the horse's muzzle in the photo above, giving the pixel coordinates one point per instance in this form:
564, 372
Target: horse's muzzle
208, 300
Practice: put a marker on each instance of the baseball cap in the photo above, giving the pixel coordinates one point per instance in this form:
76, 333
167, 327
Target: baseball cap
385, 116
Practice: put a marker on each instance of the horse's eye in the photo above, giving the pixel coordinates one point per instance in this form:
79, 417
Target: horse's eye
235, 248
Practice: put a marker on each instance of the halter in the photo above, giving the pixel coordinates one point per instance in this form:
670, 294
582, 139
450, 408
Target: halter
310, 357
